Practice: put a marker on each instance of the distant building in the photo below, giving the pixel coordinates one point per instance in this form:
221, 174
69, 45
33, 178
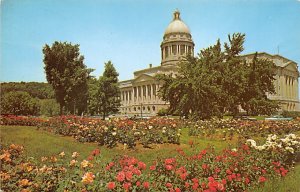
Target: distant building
139, 95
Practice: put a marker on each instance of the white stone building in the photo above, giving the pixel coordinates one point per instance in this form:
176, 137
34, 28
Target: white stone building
139, 95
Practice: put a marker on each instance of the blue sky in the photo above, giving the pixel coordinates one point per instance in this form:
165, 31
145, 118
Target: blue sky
129, 32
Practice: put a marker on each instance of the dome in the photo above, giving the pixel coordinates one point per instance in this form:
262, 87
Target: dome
177, 26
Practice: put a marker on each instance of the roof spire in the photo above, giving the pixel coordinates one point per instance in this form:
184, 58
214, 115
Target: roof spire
176, 15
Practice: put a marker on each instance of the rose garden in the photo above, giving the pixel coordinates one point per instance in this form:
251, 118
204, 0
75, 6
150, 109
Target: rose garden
158, 154
198, 147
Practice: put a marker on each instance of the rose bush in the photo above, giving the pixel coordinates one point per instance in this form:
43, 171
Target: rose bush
238, 169
226, 129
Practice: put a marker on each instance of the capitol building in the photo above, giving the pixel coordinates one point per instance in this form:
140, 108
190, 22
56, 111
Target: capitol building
139, 95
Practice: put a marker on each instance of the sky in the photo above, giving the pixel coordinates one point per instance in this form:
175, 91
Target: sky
129, 32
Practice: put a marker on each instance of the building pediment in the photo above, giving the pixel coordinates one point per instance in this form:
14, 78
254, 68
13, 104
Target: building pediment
143, 78
291, 66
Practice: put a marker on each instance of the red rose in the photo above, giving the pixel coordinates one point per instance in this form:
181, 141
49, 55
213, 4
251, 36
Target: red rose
152, 167
121, 176
261, 179
169, 185
142, 165
111, 185
169, 167
146, 185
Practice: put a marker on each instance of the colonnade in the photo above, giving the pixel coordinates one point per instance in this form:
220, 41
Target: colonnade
175, 50
139, 94
289, 87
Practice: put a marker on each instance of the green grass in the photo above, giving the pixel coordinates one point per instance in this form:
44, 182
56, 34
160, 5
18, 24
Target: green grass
40, 143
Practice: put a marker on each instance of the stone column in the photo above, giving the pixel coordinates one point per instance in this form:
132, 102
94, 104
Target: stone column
134, 94
292, 88
150, 95
147, 92
283, 86
287, 86
297, 89
137, 93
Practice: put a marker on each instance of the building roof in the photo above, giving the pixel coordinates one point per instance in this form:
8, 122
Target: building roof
279, 60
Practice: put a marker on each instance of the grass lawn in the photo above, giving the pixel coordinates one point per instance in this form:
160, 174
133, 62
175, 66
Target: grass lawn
40, 143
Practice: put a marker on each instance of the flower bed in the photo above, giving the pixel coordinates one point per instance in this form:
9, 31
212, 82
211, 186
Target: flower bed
117, 131
225, 129
238, 169
20, 120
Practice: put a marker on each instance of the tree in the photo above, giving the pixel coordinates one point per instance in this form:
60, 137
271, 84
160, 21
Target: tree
218, 81
259, 82
35, 89
66, 72
93, 96
49, 107
19, 103
109, 92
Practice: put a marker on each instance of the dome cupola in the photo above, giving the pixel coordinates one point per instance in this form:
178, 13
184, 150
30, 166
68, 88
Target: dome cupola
177, 41
177, 26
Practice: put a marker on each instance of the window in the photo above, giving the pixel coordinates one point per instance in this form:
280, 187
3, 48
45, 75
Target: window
153, 108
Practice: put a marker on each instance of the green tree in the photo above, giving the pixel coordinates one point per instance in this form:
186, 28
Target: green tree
259, 82
68, 75
108, 92
49, 107
35, 89
93, 97
19, 103
216, 82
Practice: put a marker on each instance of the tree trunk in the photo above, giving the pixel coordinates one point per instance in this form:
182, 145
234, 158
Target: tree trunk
103, 117
61, 109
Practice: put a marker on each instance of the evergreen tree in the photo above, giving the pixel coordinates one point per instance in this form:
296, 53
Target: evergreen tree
109, 92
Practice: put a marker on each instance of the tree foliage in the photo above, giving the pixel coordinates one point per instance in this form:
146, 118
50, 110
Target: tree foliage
49, 107
35, 89
218, 81
104, 93
68, 75
19, 103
